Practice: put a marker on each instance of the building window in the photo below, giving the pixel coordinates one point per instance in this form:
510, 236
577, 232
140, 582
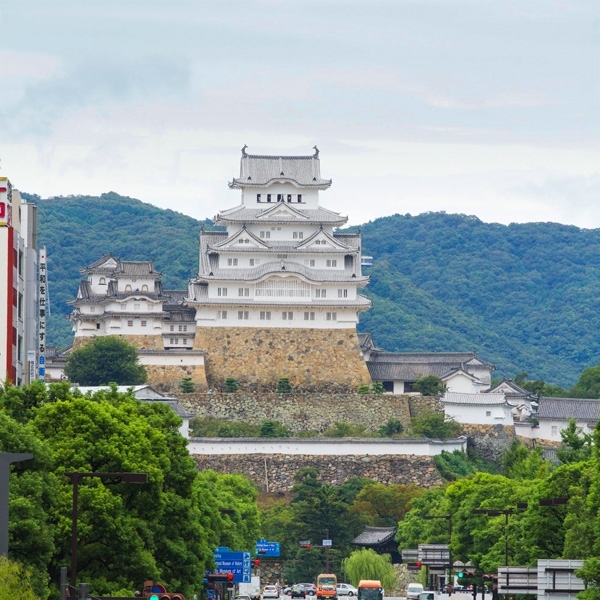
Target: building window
309, 316
243, 315
343, 293
331, 316
287, 316
171, 327
254, 261
144, 288
128, 288
299, 197
222, 291
129, 324
144, 323
265, 315
268, 197
20, 306
321, 293
298, 235
21, 264
488, 413
279, 197
331, 263
183, 328
258, 197
223, 314
289, 198
171, 341
265, 235
554, 430
102, 281
232, 262
243, 292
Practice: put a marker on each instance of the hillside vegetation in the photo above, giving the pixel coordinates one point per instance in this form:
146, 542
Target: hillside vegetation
525, 296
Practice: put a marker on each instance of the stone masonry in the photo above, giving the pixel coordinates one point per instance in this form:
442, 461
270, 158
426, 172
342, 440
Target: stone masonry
143, 342
313, 359
275, 472
300, 412
490, 441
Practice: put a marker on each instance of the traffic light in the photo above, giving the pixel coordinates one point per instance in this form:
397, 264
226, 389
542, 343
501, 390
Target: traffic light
216, 577
418, 564
257, 562
461, 575
170, 597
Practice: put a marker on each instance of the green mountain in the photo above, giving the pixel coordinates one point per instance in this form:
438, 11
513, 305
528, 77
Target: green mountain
524, 296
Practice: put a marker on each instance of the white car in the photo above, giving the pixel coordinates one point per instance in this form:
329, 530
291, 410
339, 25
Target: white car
270, 591
413, 591
345, 589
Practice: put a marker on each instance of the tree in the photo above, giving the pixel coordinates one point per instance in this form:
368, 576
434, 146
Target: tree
231, 385
382, 505
378, 388
429, 386
576, 445
284, 386
187, 386
435, 425
274, 429
590, 573
104, 360
15, 580
367, 564
588, 385
393, 428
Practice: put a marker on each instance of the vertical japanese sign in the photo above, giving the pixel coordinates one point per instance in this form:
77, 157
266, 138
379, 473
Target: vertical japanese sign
5, 202
42, 291
30, 366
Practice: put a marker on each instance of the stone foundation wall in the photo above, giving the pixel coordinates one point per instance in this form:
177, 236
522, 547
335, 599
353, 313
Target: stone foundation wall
490, 441
275, 472
419, 404
166, 378
313, 359
300, 412
145, 342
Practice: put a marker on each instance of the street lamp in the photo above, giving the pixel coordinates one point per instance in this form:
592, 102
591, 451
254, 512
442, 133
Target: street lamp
493, 512
447, 517
76, 477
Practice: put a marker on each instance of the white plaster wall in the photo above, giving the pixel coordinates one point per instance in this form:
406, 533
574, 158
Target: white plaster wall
310, 197
460, 383
477, 414
171, 359
345, 447
544, 430
398, 387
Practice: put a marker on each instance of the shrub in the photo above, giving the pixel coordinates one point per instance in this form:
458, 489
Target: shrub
392, 428
364, 389
435, 425
284, 386
274, 429
429, 386
378, 388
231, 385
187, 386
340, 430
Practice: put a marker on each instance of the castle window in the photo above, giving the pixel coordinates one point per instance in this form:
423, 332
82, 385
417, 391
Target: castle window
331, 262
299, 197
171, 341
331, 316
222, 314
488, 413
268, 197
258, 197
554, 430
282, 288
309, 262
321, 293
343, 293
183, 328
97, 325
232, 262
254, 261
102, 281
289, 198
287, 316
298, 235
243, 315
172, 328
143, 323
265, 235
309, 316
265, 315
128, 288
243, 292
222, 291
240, 241
144, 288
129, 323
185, 341
279, 197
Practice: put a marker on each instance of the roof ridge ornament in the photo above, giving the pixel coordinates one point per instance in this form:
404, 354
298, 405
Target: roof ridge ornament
244, 153
316, 154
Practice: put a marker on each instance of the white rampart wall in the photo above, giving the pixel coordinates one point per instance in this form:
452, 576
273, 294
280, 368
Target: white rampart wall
324, 446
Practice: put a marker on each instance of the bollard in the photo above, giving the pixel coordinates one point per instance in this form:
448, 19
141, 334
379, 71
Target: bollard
84, 591
63, 583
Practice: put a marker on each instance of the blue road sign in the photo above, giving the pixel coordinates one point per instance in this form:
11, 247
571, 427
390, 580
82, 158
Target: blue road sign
267, 548
237, 563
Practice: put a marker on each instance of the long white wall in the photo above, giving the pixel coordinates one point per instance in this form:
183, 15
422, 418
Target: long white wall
324, 446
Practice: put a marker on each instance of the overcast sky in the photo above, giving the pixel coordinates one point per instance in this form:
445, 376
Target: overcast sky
483, 107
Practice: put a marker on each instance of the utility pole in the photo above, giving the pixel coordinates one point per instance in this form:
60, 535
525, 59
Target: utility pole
327, 556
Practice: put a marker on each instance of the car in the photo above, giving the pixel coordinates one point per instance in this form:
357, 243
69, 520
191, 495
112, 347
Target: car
242, 598
327, 592
298, 591
413, 591
311, 588
345, 589
270, 591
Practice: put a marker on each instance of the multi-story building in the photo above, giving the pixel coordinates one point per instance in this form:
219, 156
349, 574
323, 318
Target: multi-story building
277, 292
18, 286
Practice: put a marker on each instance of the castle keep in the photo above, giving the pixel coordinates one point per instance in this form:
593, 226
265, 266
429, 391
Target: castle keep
276, 294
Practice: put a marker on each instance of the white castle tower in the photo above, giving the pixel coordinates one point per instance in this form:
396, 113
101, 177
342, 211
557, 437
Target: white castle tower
276, 294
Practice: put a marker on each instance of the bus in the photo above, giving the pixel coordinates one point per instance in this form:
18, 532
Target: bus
326, 586
370, 589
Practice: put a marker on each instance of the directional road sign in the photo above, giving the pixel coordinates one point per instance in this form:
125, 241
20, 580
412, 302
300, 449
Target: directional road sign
237, 563
265, 548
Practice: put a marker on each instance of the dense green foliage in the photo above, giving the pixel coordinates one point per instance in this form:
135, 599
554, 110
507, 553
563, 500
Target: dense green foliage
455, 465
105, 360
367, 564
429, 386
524, 296
16, 581
435, 425
163, 530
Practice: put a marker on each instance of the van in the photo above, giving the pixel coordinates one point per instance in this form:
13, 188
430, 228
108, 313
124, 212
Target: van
370, 589
413, 591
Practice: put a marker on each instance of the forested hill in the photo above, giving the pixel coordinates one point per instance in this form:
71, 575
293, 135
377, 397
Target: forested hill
525, 296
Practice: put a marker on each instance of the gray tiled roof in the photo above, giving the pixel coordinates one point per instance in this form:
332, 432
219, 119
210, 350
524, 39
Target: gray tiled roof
568, 408
410, 372
375, 536
136, 268
100, 265
366, 342
243, 214
448, 358
276, 267
173, 404
516, 390
260, 170
475, 399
